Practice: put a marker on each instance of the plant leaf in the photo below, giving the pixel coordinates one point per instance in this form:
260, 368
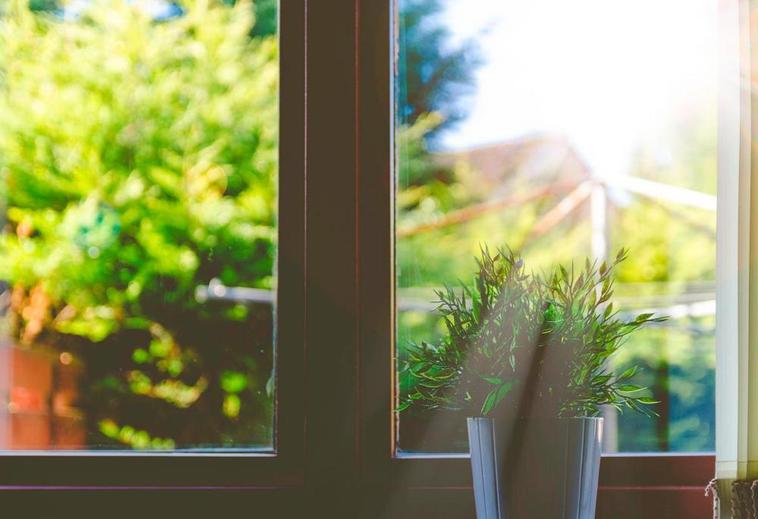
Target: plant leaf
495, 397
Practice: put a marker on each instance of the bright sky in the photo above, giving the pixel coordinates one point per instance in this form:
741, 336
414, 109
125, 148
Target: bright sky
605, 73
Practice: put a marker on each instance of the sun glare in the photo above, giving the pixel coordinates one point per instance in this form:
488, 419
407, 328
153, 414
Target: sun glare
609, 76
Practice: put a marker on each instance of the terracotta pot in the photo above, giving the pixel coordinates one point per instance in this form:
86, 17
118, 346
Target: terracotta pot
37, 400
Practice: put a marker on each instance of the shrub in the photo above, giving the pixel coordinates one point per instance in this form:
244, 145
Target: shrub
138, 160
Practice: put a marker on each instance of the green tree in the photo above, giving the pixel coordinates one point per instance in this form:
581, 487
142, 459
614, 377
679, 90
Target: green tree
434, 74
266, 17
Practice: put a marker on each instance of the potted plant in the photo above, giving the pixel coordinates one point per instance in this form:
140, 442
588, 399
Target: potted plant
526, 356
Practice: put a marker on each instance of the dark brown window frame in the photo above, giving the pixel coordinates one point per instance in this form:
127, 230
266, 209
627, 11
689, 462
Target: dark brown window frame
654, 485
335, 424
265, 475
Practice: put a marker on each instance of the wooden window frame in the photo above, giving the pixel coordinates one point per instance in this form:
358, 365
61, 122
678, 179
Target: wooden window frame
335, 424
654, 485
38, 482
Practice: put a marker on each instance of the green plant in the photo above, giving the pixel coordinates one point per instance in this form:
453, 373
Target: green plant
543, 341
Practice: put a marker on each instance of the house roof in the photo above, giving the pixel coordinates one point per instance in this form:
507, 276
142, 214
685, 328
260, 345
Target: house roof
536, 159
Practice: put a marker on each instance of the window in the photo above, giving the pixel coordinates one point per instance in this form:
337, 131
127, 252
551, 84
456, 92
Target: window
264, 208
553, 130
139, 155
528, 100
336, 442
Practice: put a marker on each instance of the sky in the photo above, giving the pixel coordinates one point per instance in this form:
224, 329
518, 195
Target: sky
606, 74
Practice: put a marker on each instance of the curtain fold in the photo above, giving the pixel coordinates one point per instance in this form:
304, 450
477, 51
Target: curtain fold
743, 498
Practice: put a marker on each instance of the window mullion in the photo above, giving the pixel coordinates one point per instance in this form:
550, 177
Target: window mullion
331, 341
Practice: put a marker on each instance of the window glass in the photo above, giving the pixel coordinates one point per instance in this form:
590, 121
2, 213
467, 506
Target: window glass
561, 132
138, 181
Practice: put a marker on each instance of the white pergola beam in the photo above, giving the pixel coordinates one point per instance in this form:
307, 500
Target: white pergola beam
663, 192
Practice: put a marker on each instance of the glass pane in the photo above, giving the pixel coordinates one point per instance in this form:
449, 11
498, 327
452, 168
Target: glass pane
560, 132
138, 174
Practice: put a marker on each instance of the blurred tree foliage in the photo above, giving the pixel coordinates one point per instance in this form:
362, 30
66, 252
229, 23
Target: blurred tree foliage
266, 17
138, 161
435, 73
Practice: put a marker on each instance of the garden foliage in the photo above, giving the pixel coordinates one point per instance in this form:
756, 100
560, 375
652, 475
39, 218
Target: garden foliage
138, 160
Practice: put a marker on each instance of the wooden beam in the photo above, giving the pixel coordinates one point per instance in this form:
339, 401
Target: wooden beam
490, 206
